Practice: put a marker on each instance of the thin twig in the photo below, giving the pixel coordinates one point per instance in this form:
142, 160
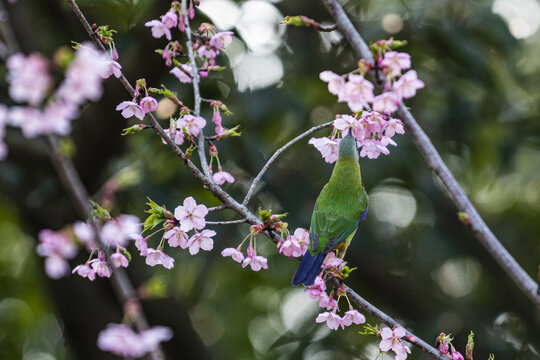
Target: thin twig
439, 168
217, 208
276, 154
230, 222
196, 93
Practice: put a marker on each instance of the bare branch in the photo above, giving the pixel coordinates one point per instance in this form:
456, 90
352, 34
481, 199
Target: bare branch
276, 154
231, 222
217, 208
196, 94
439, 168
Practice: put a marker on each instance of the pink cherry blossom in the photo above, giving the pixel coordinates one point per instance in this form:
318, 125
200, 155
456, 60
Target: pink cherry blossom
141, 243
85, 271
335, 82
456, 355
83, 79
120, 340
391, 339
192, 124
118, 231
130, 109
177, 237
331, 318
318, 288
159, 29
169, 20
407, 85
346, 123
29, 78
327, 302
119, 260
387, 102
394, 126
255, 262
221, 177
148, 104
55, 243
234, 253
175, 134
123, 341
85, 234
201, 240
372, 122
329, 148
207, 52
56, 266
100, 266
357, 92
393, 62
191, 215
220, 39
332, 261
373, 148
157, 257
184, 74
352, 317
295, 245
111, 67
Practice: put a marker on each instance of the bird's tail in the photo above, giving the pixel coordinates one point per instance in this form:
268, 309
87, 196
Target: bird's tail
309, 268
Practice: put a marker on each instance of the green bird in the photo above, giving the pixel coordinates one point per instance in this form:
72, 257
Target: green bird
340, 207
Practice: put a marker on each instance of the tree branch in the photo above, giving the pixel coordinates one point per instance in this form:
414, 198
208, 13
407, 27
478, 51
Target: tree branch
196, 93
231, 222
276, 154
439, 168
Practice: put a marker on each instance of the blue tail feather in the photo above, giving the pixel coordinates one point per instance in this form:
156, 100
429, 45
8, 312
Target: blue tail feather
309, 268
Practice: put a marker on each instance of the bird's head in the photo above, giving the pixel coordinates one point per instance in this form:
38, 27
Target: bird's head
347, 147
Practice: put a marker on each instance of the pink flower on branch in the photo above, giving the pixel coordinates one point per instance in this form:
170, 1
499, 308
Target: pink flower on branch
183, 74
407, 85
119, 260
192, 124
220, 39
121, 340
100, 266
148, 104
157, 257
331, 318
177, 237
191, 215
357, 92
386, 103
393, 62
130, 109
335, 82
85, 271
170, 19
159, 29
329, 148
352, 317
235, 254
221, 177
201, 240
111, 67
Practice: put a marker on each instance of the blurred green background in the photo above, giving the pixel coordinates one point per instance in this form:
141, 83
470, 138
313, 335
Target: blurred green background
416, 261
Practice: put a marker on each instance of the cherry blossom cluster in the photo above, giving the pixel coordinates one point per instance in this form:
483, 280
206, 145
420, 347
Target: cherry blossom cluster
187, 217
51, 112
294, 245
333, 265
371, 125
137, 109
60, 246
391, 340
122, 340
255, 262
